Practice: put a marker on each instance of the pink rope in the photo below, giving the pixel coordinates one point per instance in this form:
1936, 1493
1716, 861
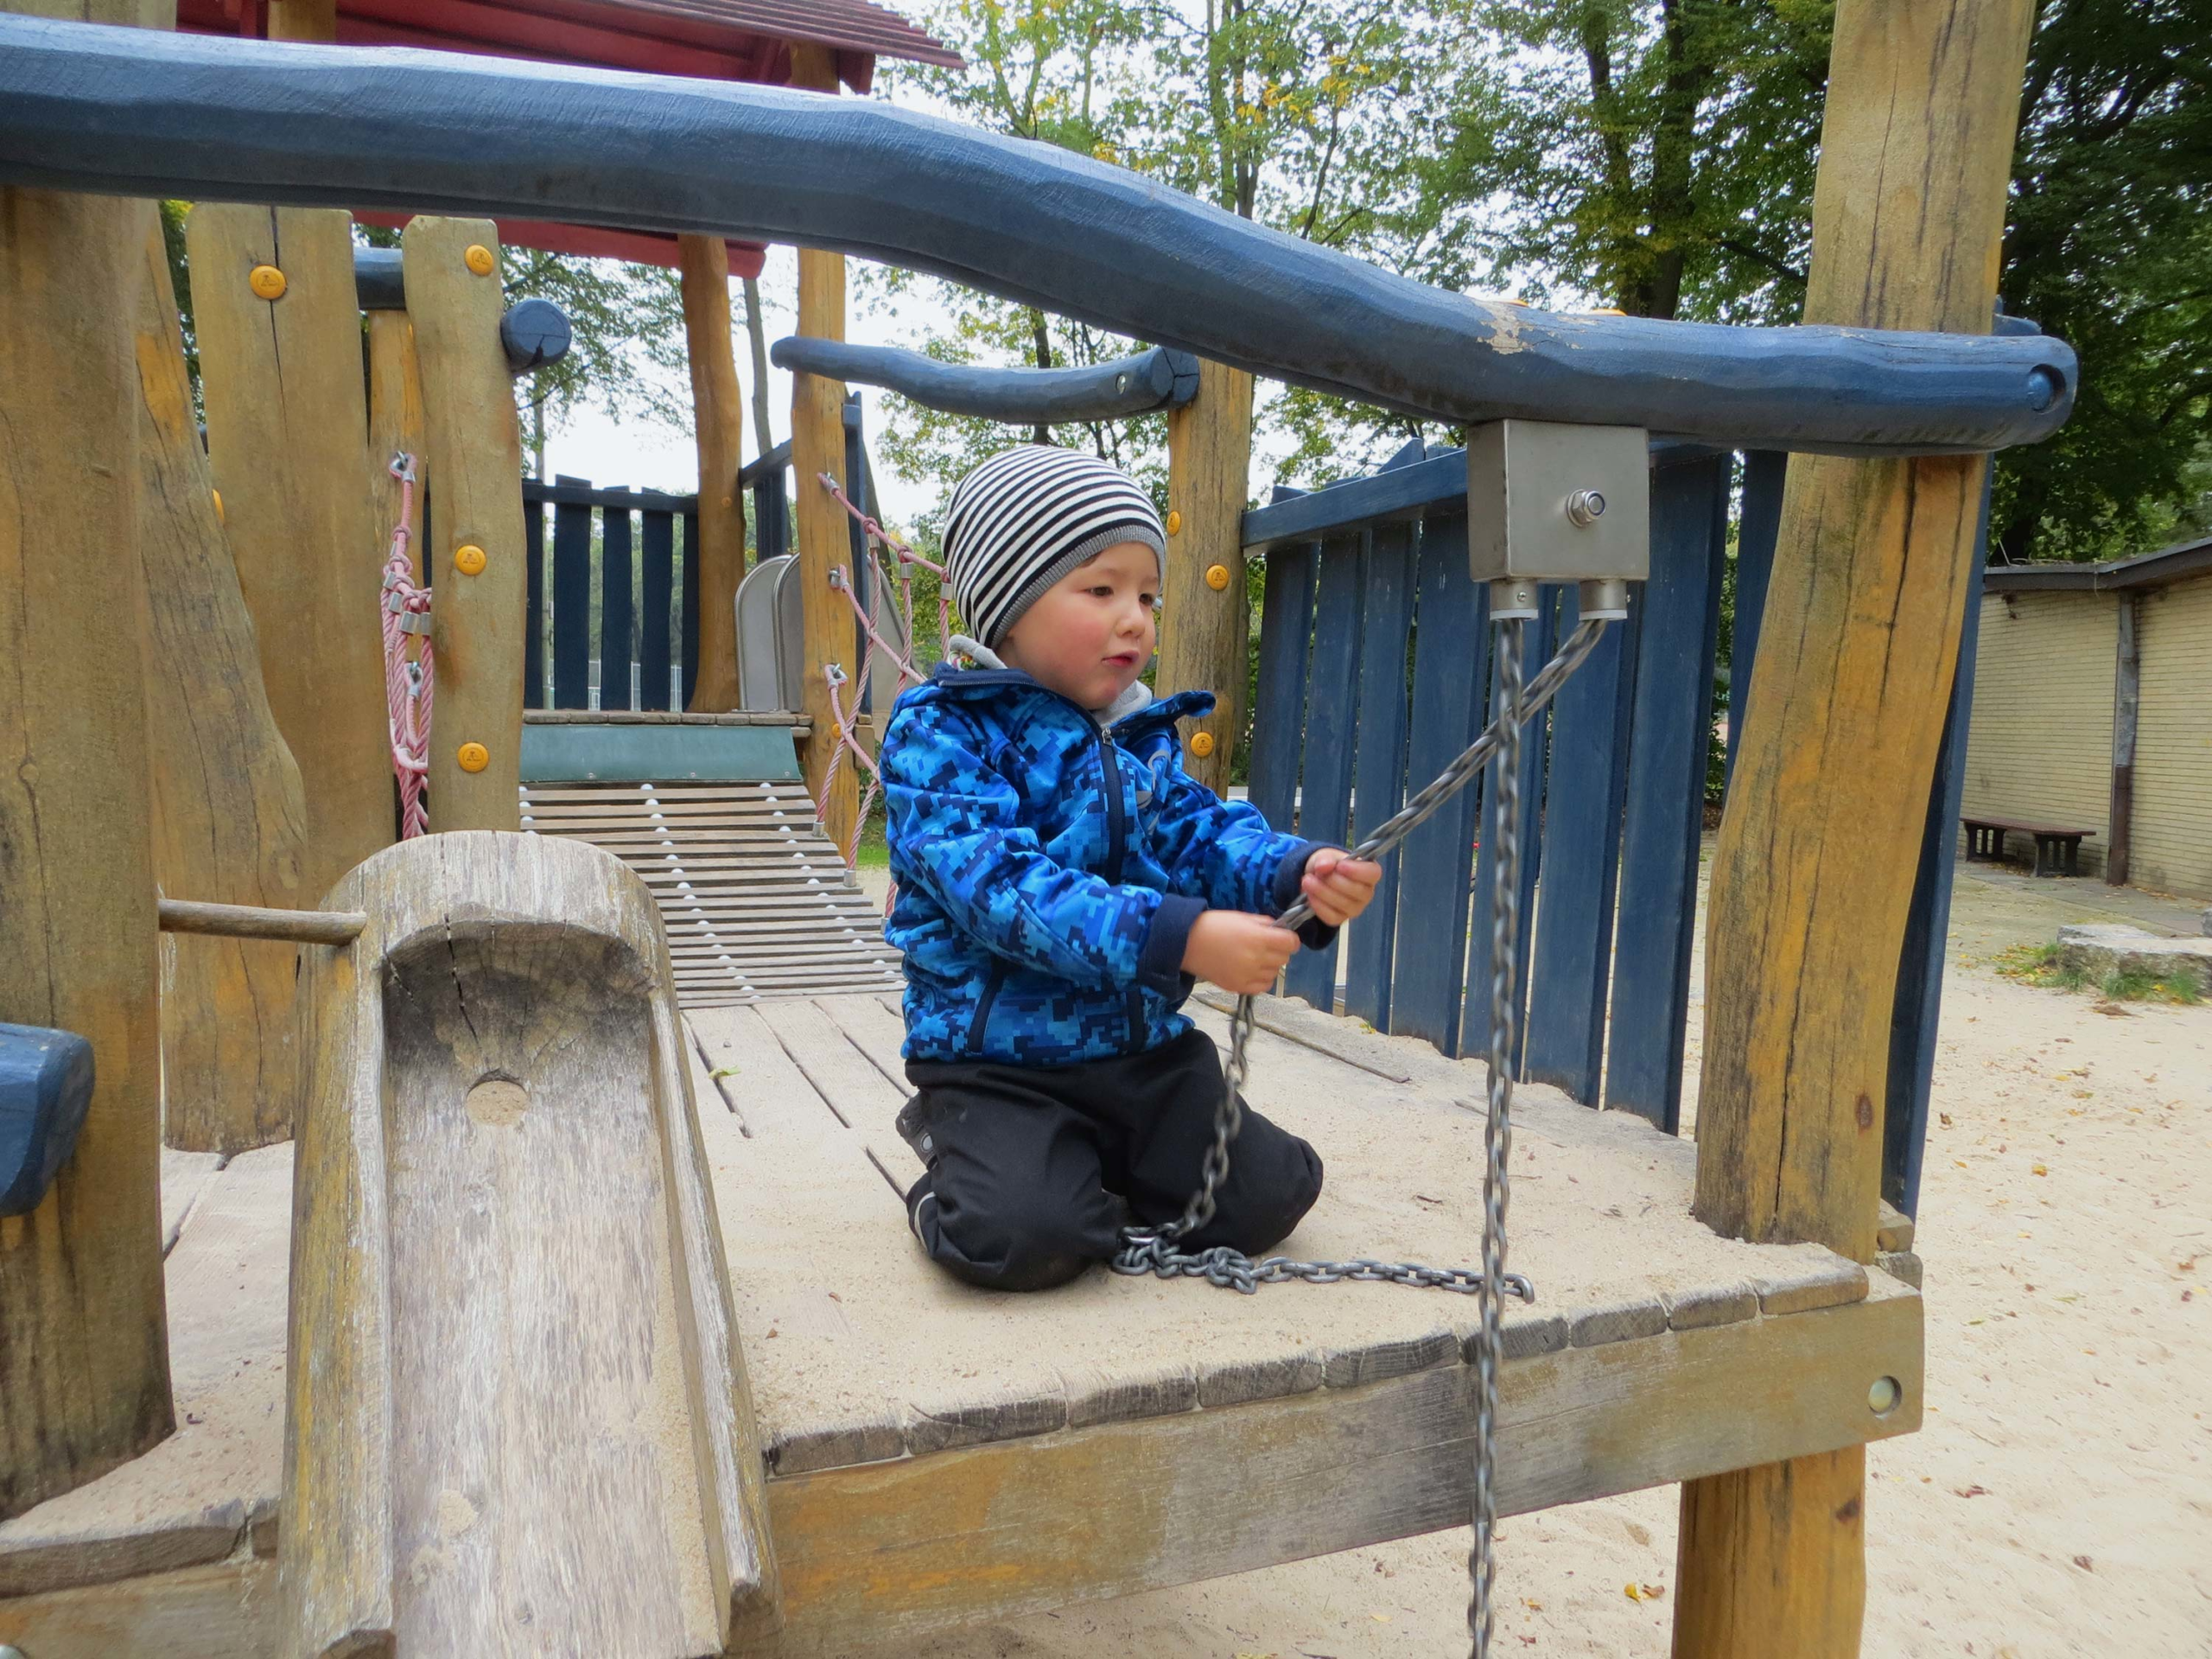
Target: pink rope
409, 685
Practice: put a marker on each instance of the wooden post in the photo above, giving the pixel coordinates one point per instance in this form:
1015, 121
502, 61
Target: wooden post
818, 447
229, 819
474, 555
84, 1347
397, 422
1207, 622
303, 20
718, 418
1812, 874
287, 435
2126, 713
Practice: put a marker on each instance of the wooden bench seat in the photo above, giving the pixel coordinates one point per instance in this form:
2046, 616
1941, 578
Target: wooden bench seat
2058, 848
942, 1456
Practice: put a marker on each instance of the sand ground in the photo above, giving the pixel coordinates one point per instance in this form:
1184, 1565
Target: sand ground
2059, 1499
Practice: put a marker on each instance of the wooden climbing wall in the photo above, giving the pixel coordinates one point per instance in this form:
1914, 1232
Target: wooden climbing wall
753, 895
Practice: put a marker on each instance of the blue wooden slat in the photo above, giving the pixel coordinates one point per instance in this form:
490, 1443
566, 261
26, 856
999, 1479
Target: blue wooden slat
533, 635
1760, 523
1380, 768
617, 607
571, 606
656, 576
1919, 1003
1586, 781
587, 753
1331, 717
1677, 622
690, 606
1475, 1024
1279, 712
1451, 665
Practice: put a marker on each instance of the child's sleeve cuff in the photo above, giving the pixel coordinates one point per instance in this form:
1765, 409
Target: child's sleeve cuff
1314, 933
1160, 962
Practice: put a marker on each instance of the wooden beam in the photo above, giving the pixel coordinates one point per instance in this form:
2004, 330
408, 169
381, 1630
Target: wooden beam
474, 445
302, 20
84, 1350
287, 433
1812, 874
824, 543
230, 816
718, 420
247, 119
260, 922
1205, 627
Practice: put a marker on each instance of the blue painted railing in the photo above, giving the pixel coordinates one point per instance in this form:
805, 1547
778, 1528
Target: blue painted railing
1375, 671
646, 583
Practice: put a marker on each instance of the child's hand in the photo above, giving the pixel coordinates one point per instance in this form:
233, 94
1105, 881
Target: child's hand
1238, 951
1337, 886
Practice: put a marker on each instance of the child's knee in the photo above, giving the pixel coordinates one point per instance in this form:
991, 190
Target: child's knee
1008, 1245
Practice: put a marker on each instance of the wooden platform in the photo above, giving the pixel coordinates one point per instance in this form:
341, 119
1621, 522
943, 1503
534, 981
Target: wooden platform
754, 896
942, 1456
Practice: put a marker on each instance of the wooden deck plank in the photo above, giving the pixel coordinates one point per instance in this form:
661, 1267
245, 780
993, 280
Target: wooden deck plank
862, 1096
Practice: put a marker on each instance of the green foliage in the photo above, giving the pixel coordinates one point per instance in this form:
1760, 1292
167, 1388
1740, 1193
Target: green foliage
628, 354
2045, 965
2109, 246
1659, 155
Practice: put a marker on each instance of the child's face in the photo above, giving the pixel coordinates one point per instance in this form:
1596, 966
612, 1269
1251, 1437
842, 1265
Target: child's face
1090, 634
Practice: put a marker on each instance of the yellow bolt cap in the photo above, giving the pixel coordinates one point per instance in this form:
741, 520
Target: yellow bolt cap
480, 259
1202, 744
1218, 577
1174, 521
266, 280
473, 757
469, 560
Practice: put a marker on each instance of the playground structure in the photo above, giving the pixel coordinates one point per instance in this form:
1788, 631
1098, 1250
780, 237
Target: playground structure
839, 1448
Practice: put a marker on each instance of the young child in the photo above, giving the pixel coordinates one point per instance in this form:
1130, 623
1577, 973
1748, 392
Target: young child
1061, 882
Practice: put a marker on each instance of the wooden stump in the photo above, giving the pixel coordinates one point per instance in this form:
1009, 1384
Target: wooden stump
474, 445
286, 438
1812, 874
83, 1357
718, 418
517, 1395
1206, 630
230, 821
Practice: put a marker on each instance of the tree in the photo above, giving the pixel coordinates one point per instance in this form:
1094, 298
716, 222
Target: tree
2109, 247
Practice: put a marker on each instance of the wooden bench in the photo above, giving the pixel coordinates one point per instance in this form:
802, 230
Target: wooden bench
2059, 850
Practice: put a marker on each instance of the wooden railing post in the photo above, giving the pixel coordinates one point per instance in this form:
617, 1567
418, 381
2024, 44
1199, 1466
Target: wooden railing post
1207, 622
84, 1341
280, 368
229, 819
473, 556
817, 446
1812, 874
718, 418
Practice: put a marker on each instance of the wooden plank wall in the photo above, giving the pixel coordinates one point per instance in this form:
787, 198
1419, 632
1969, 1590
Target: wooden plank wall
618, 547
1350, 721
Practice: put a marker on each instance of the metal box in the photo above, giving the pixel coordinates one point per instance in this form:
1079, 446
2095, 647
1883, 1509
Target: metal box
1548, 502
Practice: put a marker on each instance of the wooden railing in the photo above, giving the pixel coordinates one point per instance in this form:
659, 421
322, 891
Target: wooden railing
613, 615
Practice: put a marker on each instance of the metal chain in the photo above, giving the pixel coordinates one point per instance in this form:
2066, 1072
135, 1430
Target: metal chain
1152, 1249
1497, 1129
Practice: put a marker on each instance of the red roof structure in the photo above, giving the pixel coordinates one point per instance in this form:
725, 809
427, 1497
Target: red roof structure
712, 40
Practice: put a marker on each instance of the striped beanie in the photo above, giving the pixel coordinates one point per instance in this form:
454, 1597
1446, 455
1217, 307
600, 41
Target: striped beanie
1026, 516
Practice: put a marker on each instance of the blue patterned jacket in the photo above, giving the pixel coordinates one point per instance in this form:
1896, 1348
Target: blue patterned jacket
1049, 870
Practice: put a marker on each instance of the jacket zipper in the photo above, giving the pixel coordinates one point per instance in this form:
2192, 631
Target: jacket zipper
1116, 857
983, 1009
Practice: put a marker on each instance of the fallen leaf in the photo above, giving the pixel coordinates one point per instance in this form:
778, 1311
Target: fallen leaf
1946, 1116
1653, 1592
1631, 1592
1379, 1619
721, 1071
1532, 1603
2114, 1009
2084, 1563
1970, 1491
2040, 1170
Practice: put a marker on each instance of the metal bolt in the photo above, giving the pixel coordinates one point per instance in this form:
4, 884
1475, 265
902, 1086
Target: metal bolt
1121, 382
1882, 1399
1585, 508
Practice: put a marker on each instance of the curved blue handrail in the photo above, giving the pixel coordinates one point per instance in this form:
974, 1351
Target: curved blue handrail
140, 112
1136, 385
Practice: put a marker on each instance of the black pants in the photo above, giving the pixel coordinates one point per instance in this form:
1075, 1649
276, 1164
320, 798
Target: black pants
1033, 1171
